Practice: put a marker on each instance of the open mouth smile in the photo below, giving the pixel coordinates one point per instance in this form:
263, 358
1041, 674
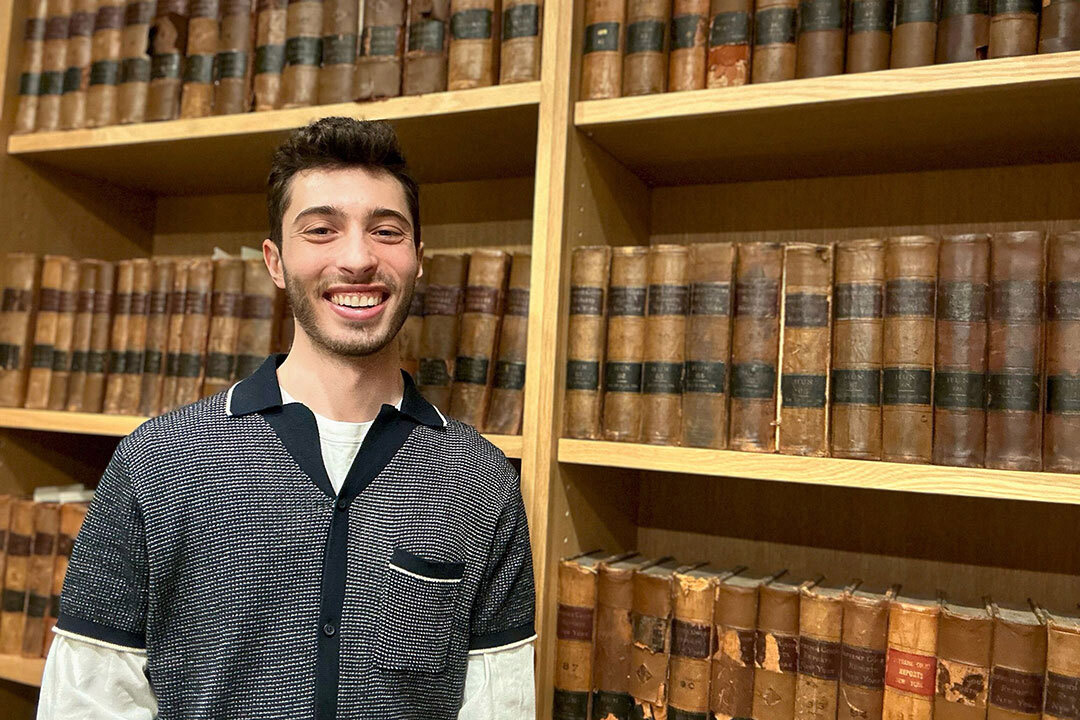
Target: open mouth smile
359, 305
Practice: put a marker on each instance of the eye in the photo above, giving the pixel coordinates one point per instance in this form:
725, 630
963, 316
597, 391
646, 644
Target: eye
389, 234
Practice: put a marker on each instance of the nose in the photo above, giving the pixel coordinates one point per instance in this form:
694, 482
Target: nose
356, 254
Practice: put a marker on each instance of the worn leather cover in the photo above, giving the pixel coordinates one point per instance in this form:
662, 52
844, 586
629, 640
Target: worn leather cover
443, 303
7, 503
474, 44
409, 336
81, 332
303, 53
51, 299
382, 46
650, 651
665, 344
869, 44
1062, 701
226, 308
730, 28
20, 543
574, 635
862, 653
821, 33
910, 662
174, 336
1017, 674
508, 383
39, 578
204, 31
692, 642
963, 675
1061, 423
485, 296
191, 368
960, 360
520, 48
623, 366
1014, 27
1059, 28
77, 64
689, 42
589, 266
30, 79
731, 694
914, 37
167, 48
963, 31
821, 618
271, 23
341, 20
235, 62
646, 59
602, 49
118, 333
97, 359
157, 332
72, 515
260, 316
776, 651
426, 47
53, 64
104, 64
60, 371
775, 23
135, 345
131, 93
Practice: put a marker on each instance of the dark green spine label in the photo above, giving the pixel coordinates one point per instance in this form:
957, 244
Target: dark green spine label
521, 21
704, 377
509, 375
611, 705
472, 24
662, 378
856, 387
684, 31
858, 300
30, 84
1063, 394
427, 36
806, 310
73, 78
802, 391
570, 705
472, 370
622, 377
961, 302
136, 70
753, 381
231, 64
906, 386
1001, 7
381, 41
104, 72
710, 298
269, 59
871, 16
627, 301
52, 83
959, 390
601, 37
199, 69
645, 36
166, 65
912, 11
339, 50
954, 8
1012, 391
821, 15
433, 372
582, 375
774, 26
729, 28
303, 51
668, 299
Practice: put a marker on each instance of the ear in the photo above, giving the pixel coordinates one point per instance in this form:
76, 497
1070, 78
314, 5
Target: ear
420, 260
272, 258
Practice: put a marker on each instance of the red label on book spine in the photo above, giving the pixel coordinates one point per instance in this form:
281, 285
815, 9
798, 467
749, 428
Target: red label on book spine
909, 672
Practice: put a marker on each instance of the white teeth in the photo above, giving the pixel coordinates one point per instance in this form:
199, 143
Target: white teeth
356, 300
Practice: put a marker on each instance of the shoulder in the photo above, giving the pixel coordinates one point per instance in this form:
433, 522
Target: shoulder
475, 459
175, 431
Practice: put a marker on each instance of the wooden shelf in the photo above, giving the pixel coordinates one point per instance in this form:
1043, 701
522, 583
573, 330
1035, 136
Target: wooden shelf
26, 671
449, 136
1011, 110
933, 479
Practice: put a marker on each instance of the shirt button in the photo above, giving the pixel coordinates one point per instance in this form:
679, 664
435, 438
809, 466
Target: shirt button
342, 504
329, 630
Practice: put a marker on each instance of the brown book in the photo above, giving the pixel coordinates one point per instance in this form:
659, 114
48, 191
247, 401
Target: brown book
39, 578
963, 31
233, 64
191, 369
226, 306
1018, 665
1059, 26
708, 346
1061, 425
77, 60
862, 653
71, 519
869, 42
382, 44
426, 47
105, 52
16, 570
118, 337
54, 64
1014, 364
46, 328
7, 502
755, 347
89, 270
204, 31
167, 48
32, 64
520, 48
960, 358
689, 45
775, 24
804, 375
574, 634
480, 321
341, 20
134, 85
819, 49
1062, 700
914, 36
776, 650
18, 307
603, 48
1014, 27
821, 622
443, 302
626, 303
729, 43
142, 292
963, 652
646, 59
907, 381
174, 337
65, 336
260, 316
97, 359
589, 268
665, 344
731, 691
270, 35
474, 44
910, 662
409, 335
508, 383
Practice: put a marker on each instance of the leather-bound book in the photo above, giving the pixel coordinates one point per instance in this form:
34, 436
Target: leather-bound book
574, 635
7, 503
226, 307
730, 25
426, 47
855, 391
960, 359
907, 431
131, 93
443, 303
775, 23
1059, 26
193, 345
204, 31
862, 653
157, 336
963, 652
81, 332
485, 295
54, 63
20, 542
1062, 701
611, 699
72, 515
1014, 27
116, 366
77, 61
259, 318
105, 64
689, 45
508, 384
914, 37
755, 347
602, 49
409, 336
731, 690
820, 45
519, 59
1061, 425
708, 346
65, 336
821, 621
963, 31
18, 306
665, 344
776, 650
474, 44
138, 324
589, 268
646, 59
97, 359
341, 21
233, 65
271, 20
1018, 665
174, 338
911, 662
46, 327
804, 375
32, 63
627, 301
167, 48
1014, 365
39, 576
303, 53
382, 44
869, 42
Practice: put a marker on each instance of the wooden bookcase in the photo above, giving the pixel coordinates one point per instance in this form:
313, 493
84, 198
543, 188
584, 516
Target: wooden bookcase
988, 145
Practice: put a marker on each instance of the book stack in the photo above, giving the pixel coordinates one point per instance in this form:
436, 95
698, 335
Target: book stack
916, 349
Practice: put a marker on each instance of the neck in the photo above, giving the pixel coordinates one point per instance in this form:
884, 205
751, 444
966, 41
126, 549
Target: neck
349, 389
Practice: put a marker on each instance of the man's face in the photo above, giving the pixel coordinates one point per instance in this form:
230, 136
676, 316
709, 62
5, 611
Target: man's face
348, 261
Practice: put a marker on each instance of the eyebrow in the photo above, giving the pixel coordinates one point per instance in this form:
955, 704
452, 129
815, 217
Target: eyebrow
330, 210
385, 212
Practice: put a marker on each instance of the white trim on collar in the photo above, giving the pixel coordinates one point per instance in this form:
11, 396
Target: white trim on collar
228, 400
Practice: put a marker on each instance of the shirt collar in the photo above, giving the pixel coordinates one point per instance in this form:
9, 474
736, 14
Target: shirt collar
260, 392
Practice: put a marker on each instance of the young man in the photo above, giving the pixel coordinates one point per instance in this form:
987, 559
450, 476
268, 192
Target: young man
318, 541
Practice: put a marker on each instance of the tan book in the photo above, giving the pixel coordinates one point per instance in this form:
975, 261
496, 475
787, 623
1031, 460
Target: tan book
134, 86
410, 333
97, 359
118, 337
1061, 423
168, 46
197, 304
775, 50
443, 303
226, 305
259, 319
589, 268
65, 335
71, 520
1018, 665
627, 300
271, 22
645, 63
665, 344
46, 330
963, 651
77, 57
426, 47
39, 578
142, 295
603, 48
729, 43
106, 47
862, 653
382, 46
1062, 699
508, 383
869, 42
474, 44
821, 622
32, 63
54, 64
910, 661
89, 270
174, 337
776, 650
689, 36
341, 22
819, 49
234, 62
19, 278
16, 570
7, 502
520, 48
914, 37
204, 31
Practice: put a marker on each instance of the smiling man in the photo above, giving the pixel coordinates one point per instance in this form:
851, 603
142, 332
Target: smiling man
318, 541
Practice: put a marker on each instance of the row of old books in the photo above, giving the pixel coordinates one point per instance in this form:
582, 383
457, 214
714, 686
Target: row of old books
37, 536
639, 47
655, 638
958, 351
92, 63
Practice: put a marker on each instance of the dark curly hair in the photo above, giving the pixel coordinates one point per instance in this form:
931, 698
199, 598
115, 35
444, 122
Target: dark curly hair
337, 143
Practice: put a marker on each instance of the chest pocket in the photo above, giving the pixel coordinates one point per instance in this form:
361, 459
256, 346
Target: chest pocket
417, 611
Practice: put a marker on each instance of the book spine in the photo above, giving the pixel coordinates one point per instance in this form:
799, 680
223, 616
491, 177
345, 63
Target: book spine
32, 64
1014, 27
520, 48
226, 305
13, 605
39, 577
409, 336
821, 619
443, 303
485, 294
191, 370
134, 84
963, 31
1017, 674
665, 345
731, 694
260, 315
589, 267
1062, 672
691, 647
776, 654
689, 45
1061, 425
157, 334
963, 675
116, 366
54, 63
65, 336
71, 520
169, 44
7, 503
474, 44
755, 347
104, 64
730, 39
18, 307
574, 640
614, 635
426, 45
382, 46
77, 61
775, 25
603, 49
50, 301
650, 651
1059, 26
1014, 365
204, 30
869, 43
287, 328
336, 77
804, 374
819, 47
233, 64
97, 359
508, 384
173, 339
138, 326
908, 355
960, 358
626, 304
271, 22
910, 662
862, 658
914, 36
89, 270
645, 62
